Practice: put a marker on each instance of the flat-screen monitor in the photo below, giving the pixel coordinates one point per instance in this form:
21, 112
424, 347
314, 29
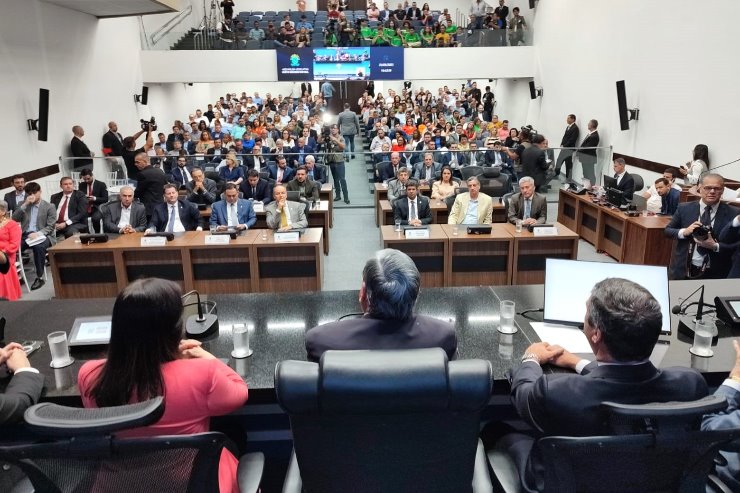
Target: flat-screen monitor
610, 182
614, 197
343, 63
568, 284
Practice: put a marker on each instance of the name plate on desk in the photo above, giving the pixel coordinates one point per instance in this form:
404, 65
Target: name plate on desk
287, 236
258, 206
217, 239
148, 241
413, 233
549, 231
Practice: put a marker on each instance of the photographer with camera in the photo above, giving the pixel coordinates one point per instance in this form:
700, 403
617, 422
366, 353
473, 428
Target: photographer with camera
695, 225
129, 147
333, 145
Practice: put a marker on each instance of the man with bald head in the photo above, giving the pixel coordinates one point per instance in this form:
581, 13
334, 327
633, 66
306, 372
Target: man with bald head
389, 169
80, 149
150, 182
284, 215
112, 141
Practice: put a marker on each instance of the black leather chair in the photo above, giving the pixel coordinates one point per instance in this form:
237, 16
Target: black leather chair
390, 421
469, 171
449, 201
655, 447
639, 182
80, 453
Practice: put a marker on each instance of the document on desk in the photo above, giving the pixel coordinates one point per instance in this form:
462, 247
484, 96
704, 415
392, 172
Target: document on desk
570, 338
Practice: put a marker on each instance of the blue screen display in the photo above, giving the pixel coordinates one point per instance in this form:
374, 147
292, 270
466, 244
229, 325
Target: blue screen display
351, 63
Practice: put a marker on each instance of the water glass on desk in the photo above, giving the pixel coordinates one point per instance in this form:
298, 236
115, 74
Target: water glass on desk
518, 225
59, 349
702, 340
507, 313
240, 335
398, 227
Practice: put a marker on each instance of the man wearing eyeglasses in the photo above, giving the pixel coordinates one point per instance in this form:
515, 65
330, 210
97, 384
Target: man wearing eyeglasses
696, 226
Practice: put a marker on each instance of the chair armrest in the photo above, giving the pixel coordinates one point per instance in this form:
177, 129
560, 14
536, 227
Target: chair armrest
481, 478
249, 472
716, 484
293, 482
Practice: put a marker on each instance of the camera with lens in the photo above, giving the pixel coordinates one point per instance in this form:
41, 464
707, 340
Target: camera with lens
701, 233
148, 125
325, 132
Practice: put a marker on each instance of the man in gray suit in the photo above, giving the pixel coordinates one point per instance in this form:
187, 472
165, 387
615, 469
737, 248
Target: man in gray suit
349, 126
284, 215
37, 218
527, 205
124, 216
427, 171
397, 186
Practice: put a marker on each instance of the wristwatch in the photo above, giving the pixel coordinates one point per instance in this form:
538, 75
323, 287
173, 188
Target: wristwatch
530, 357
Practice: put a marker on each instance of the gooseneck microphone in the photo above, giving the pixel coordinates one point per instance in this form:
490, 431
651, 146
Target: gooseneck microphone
204, 323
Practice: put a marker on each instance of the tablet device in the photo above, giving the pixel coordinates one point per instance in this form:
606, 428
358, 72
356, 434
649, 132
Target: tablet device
90, 331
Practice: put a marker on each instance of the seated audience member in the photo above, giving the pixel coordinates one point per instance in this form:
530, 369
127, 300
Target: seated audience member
182, 173
147, 357
231, 172
397, 186
625, 182
79, 149
280, 172
669, 196
124, 216
472, 207
315, 172
731, 235
15, 197
10, 243
232, 212
255, 188
309, 190
694, 169
23, 389
97, 193
300, 151
390, 286
413, 209
174, 215
284, 215
655, 201
37, 218
201, 190
71, 206
728, 470
388, 170
217, 152
527, 205
697, 254
256, 160
445, 186
622, 325
427, 171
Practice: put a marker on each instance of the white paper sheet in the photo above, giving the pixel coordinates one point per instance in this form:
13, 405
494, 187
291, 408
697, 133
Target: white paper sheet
570, 338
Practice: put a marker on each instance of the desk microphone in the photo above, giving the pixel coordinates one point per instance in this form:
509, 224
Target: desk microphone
687, 323
203, 324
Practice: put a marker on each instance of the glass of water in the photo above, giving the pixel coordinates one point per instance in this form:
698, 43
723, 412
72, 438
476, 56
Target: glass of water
59, 349
518, 225
398, 226
702, 340
508, 312
240, 335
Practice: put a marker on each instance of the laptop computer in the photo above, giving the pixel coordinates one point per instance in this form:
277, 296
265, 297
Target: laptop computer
609, 182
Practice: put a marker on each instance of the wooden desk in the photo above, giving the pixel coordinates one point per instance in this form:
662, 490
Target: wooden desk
286, 267
479, 260
326, 194
530, 252
385, 211
318, 217
429, 254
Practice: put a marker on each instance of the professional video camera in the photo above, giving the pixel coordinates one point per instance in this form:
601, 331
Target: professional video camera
148, 125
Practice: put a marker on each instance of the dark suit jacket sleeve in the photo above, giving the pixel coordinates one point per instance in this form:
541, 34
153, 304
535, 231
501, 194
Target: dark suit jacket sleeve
79, 148
628, 186
79, 214
22, 392
400, 211
158, 222
193, 216
540, 211
729, 234
425, 212
528, 393
677, 223
108, 225
513, 212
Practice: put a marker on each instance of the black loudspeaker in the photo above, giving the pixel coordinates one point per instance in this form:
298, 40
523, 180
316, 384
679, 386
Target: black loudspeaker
144, 94
532, 90
625, 114
41, 125
532, 3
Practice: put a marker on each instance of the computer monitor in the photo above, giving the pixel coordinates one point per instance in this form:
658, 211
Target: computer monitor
614, 197
639, 202
568, 284
609, 182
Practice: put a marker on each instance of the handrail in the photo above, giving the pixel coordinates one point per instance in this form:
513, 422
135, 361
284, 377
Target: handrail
169, 25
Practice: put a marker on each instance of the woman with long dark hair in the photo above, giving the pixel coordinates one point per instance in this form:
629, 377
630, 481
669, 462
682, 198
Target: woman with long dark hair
698, 165
147, 357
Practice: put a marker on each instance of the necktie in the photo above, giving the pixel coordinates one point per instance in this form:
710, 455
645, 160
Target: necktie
63, 210
527, 208
89, 201
412, 210
232, 214
616, 176
429, 173
706, 217
254, 192
283, 218
171, 222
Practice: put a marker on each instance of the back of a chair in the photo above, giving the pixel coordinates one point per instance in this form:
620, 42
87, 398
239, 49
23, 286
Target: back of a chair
402, 420
639, 182
469, 171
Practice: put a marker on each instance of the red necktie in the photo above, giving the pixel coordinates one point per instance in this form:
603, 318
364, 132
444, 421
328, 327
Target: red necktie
63, 210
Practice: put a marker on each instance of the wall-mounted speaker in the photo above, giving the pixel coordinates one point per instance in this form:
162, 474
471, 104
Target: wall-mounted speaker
41, 125
625, 114
142, 98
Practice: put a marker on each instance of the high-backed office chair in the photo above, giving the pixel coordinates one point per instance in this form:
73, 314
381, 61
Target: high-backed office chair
639, 182
449, 201
656, 447
469, 171
83, 454
494, 183
506, 197
391, 421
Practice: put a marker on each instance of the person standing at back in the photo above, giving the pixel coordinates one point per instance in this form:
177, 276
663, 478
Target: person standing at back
349, 126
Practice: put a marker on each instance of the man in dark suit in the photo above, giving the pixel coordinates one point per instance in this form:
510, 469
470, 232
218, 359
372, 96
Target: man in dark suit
731, 235
390, 286
388, 170
124, 216
232, 212
175, 135
37, 218
217, 152
150, 182
24, 388
80, 149
201, 190
256, 188
535, 163
315, 171
182, 174
281, 173
570, 139
71, 206
15, 197
588, 156
622, 324
669, 196
96, 193
413, 209
427, 171
527, 205
625, 182
697, 255
299, 152
174, 215
112, 141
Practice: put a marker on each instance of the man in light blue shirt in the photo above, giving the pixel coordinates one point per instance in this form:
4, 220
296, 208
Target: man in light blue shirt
471, 207
257, 34
304, 23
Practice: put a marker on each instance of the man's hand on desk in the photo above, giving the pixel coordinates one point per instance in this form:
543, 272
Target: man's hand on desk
545, 352
8, 350
529, 221
565, 360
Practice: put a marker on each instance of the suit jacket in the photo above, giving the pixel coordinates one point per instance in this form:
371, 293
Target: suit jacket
288, 173
310, 187
569, 404
396, 189
295, 154
538, 210
112, 216
591, 140
23, 391
729, 418
570, 137
296, 213
46, 219
249, 162
385, 170
420, 171
401, 210
99, 192
208, 197
419, 331
213, 157
460, 208
188, 212
669, 202
348, 123
731, 235
10, 199
76, 207
150, 187
114, 142
80, 150
627, 186
319, 174
534, 164
686, 214
189, 147
462, 159
263, 189
244, 213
